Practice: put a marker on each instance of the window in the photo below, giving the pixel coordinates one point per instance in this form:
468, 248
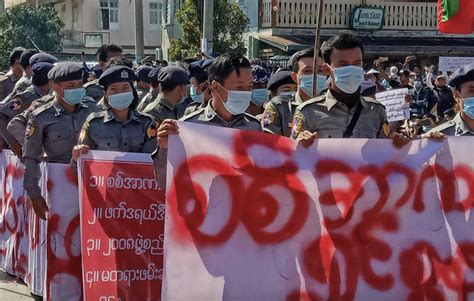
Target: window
109, 14
167, 12
155, 9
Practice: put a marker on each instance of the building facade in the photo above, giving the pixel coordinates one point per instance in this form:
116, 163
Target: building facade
91, 23
405, 27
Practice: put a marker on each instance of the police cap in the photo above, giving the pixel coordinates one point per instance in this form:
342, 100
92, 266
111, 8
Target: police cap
462, 75
66, 71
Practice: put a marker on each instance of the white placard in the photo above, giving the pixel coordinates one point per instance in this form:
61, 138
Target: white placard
396, 106
453, 63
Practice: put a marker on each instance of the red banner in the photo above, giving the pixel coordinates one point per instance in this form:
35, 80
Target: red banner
122, 223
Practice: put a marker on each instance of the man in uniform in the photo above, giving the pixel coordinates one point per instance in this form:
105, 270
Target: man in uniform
154, 91
342, 112
259, 92
53, 128
22, 101
25, 81
231, 86
8, 81
278, 115
143, 84
281, 83
199, 91
173, 81
462, 80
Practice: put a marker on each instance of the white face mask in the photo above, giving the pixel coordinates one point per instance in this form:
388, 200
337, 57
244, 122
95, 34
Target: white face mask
237, 101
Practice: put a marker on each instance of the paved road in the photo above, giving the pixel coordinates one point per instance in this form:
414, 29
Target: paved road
13, 290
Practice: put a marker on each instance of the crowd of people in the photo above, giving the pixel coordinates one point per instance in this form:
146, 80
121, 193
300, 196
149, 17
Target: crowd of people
56, 111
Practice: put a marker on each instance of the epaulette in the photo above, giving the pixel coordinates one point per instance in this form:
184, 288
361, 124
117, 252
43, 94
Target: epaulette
277, 100
91, 83
88, 99
95, 115
189, 116
442, 127
41, 108
372, 100
312, 101
252, 117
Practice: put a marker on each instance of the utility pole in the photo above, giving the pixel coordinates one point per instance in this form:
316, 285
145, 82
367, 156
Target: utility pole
208, 27
139, 41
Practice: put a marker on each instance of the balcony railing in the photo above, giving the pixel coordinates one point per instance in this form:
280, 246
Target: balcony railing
337, 13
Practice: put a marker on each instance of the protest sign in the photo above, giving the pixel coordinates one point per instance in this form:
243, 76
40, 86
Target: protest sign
252, 216
453, 63
122, 220
395, 105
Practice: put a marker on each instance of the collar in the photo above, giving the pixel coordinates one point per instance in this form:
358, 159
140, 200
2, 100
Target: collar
461, 126
296, 100
11, 76
165, 102
37, 90
132, 116
60, 110
330, 100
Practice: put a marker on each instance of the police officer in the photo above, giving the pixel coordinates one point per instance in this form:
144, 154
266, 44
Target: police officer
462, 80
119, 128
53, 128
21, 102
260, 96
154, 91
342, 112
143, 84
199, 90
173, 81
281, 83
8, 81
25, 81
278, 116
231, 86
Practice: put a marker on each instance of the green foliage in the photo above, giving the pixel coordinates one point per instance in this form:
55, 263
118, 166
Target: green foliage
230, 23
21, 23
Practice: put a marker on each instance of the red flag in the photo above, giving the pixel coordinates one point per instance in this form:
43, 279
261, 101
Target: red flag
456, 16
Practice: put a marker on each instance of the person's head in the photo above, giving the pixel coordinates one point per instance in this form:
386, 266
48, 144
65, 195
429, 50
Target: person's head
462, 80
417, 80
14, 60
260, 78
40, 72
343, 61
416, 69
280, 83
144, 81
372, 75
440, 81
25, 61
229, 75
43, 58
173, 83
106, 52
119, 61
66, 81
199, 90
404, 78
118, 88
153, 75
302, 65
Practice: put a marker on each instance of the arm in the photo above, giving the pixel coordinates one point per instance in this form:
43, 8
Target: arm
150, 138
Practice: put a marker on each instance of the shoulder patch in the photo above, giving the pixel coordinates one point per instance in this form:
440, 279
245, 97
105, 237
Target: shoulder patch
269, 115
152, 129
297, 124
30, 130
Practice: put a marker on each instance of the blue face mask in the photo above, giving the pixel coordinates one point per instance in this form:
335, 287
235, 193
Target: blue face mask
259, 96
418, 85
321, 83
306, 84
74, 96
237, 101
199, 98
120, 101
348, 78
469, 107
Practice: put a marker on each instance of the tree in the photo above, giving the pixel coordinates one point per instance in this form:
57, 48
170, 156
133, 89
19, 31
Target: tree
230, 23
22, 24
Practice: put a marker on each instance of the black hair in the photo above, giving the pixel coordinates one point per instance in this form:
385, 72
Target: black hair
25, 57
15, 55
104, 50
341, 41
225, 64
299, 55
